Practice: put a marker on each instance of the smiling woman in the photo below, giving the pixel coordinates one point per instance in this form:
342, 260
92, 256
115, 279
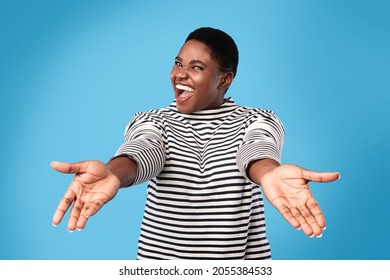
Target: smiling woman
200, 85
205, 65
74, 72
204, 158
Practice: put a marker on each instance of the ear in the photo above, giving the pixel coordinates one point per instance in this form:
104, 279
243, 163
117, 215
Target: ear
226, 80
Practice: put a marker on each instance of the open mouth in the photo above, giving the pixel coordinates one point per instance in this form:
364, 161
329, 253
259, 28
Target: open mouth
184, 92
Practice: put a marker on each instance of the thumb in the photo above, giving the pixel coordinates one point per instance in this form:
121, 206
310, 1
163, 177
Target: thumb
70, 168
320, 176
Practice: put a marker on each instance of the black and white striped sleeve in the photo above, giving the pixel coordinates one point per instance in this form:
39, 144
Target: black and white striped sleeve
144, 144
263, 139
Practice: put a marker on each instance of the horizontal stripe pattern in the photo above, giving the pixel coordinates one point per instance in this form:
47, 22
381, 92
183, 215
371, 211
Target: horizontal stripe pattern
200, 204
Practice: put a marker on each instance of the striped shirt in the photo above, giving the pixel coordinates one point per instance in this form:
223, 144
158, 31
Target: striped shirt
200, 202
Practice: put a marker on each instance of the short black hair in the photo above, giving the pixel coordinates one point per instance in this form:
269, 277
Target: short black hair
223, 48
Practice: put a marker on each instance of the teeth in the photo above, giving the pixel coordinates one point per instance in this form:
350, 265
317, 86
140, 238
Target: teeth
183, 87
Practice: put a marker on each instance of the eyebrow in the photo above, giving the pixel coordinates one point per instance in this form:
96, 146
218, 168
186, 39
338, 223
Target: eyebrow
192, 62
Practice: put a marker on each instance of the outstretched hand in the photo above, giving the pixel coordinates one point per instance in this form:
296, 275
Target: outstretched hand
93, 186
287, 189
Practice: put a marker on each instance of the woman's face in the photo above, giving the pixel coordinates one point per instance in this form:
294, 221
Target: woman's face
197, 80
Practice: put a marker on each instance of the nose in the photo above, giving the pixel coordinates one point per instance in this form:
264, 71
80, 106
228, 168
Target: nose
181, 73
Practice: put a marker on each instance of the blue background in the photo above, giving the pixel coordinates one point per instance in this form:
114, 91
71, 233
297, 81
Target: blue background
72, 73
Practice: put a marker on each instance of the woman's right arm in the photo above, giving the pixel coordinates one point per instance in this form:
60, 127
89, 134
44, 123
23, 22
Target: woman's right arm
124, 168
95, 183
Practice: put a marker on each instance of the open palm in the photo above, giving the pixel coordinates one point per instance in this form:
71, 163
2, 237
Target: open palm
287, 189
92, 187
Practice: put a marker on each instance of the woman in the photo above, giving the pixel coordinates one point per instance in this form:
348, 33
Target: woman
204, 158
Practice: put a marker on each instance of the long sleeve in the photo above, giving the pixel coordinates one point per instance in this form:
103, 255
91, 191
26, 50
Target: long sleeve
263, 138
144, 144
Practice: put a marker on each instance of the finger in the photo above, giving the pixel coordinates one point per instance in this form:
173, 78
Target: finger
95, 206
82, 221
75, 215
63, 206
316, 212
310, 221
70, 168
319, 176
283, 206
306, 228
301, 218
290, 218
89, 209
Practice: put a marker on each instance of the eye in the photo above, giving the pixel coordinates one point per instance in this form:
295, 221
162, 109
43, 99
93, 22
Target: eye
178, 64
197, 68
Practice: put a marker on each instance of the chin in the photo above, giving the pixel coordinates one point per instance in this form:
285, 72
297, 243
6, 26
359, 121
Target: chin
185, 110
